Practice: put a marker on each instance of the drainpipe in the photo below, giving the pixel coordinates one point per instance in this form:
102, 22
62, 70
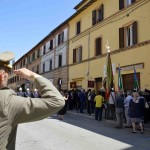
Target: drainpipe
88, 70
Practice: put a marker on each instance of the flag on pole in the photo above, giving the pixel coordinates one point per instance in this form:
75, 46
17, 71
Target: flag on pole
109, 78
136, 84
120, 83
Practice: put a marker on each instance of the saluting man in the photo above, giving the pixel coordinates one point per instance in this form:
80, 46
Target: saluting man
16, 109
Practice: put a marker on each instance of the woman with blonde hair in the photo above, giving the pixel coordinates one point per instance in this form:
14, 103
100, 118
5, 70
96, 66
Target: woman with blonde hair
136, 109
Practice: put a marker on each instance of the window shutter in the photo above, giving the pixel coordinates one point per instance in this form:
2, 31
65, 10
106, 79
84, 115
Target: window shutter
38, 53
101, 13
78, 27
98, 46
62, 37
44, 67
134, 32
50, 65
60, 61
44, 49
121, 4
74, 55
58, 39
93, 17
80, 54
121, 37
51, 44
37, 69
28, 59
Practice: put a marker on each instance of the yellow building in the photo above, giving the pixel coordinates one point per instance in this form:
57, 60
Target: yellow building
125, 25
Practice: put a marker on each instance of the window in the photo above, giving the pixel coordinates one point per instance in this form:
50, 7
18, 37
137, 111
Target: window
51, 45
98, 15
43, 67
59, 60
78, 27
77, 55
44, 49
33, 56
37, 69
21, 64
33, 69
24, 62
60, 38
38, 53
125, 3
128, 3
98, 46
50, 64
28, 59
128, 35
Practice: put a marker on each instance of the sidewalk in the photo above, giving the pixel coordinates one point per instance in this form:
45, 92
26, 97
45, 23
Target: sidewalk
113, 122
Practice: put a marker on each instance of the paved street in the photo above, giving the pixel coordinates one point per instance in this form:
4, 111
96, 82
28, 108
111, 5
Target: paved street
79, 132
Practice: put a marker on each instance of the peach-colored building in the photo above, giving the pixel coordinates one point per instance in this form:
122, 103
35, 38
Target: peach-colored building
125, 25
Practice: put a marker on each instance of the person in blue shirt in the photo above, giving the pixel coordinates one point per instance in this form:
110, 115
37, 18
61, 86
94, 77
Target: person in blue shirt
82, 97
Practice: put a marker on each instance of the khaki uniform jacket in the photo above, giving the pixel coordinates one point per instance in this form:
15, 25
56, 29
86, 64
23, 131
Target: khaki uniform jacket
16, 109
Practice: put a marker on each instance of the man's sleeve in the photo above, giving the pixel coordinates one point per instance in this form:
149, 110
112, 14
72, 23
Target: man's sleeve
21, 109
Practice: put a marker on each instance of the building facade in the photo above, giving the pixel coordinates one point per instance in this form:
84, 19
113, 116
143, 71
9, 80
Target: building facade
61, 58
48, 58
124, 24
55, 57
30, 60
73, 55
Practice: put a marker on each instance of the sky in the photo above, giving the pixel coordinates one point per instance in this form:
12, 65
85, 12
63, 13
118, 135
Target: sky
25, 23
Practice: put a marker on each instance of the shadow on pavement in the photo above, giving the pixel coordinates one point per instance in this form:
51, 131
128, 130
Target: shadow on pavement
107, 128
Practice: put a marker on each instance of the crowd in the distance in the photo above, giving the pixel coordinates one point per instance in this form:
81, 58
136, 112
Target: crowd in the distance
28, 93
129, 108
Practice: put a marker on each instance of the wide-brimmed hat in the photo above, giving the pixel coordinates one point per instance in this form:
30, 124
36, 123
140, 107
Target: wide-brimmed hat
5, 58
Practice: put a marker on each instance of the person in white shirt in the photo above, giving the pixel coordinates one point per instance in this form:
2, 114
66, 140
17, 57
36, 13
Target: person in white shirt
111, 105
126, 107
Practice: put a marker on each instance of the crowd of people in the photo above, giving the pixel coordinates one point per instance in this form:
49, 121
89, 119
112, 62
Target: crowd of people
29, 106
28, 93
130, 107
127, 107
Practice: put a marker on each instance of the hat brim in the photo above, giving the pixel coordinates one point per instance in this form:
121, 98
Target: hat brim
6, 56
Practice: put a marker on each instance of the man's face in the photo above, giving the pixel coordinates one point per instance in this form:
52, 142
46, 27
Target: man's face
4, 77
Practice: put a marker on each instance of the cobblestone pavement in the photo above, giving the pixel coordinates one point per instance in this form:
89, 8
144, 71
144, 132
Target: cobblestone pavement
79, 132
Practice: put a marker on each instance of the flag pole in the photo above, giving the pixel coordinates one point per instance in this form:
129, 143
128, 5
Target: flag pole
110, 77
135, 80
121, 79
